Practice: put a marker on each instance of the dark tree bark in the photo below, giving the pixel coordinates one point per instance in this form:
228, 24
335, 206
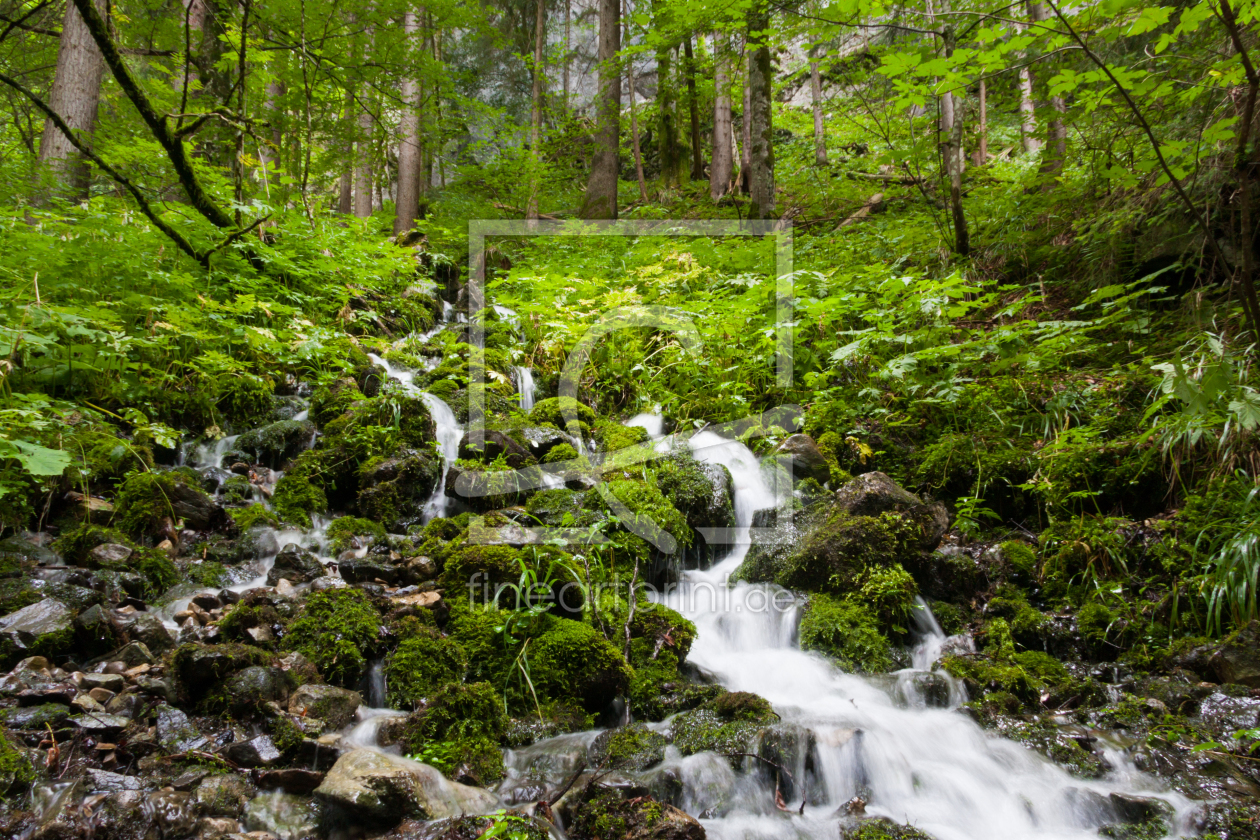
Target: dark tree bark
761, 195
746, 120
601, 190
631, 80
75, 96
535, 111
693, 105
669, 155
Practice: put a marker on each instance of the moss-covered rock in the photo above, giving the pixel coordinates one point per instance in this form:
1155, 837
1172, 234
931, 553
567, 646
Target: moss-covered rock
331, 401
630, 748
342, 531
199, 668
880, 828
337, 631
553, 410
150, 503
393, 490
273, 445
420, 665
603, 813
726, 724
572, 661
459, 730
300, 491
16, 772
848, 632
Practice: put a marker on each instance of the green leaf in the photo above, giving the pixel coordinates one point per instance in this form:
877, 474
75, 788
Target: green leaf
35, 459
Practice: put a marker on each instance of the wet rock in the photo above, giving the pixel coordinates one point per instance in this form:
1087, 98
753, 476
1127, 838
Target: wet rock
109, 682
394, 491
294, 565
291, 780
43, 627
1224, 715
1238, 660
542, 439
176, 733
133, 655
1139, 809
103, 781
213, 828
630, 748
108, 554
24, 550
639, 818
199, 511
382, 789
199, 667
800, 454
283, 815
60, 693
367, 570
879, 828
146, 629
94, 630
274, 445
257, 685
100, 725
35, 718
335, 706
258, 751
491, 445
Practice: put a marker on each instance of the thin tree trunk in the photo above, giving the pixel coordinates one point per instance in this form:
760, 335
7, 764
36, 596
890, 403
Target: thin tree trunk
668, 153
951, 152
722, 167
1029, 141
535, 114
815, 93
238, 160
363, 165
600, 201
75, 96
568, 55
194, 22
1056, 132
697, 155
761, 195
634, 117
982, 147
745, 162
438, 137
408, 201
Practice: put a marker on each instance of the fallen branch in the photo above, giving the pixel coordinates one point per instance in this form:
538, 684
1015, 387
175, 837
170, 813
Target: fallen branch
887, 178
872, 205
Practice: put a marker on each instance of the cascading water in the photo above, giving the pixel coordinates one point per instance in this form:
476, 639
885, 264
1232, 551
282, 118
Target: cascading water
525, 386
930, 767
449, 432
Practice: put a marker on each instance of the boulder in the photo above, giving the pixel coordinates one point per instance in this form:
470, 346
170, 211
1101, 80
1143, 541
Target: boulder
394, 490
176, 733
491, 446
294, 565
103, 781
631, 748
274, 445
144, 628
335, 706
108, 554
199, 511
1238, 660
45, 627
800, 454
257, 685
224, 795
382, 789
636, 818
367, 570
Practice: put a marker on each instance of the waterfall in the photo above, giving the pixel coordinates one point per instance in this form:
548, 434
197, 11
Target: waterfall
449, 432
931, 767
525, 387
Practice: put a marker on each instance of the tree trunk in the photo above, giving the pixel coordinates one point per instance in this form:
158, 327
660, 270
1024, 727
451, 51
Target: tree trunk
568, 56
75, 95
194, 22
668, 154
815, 93
363, 165
601, 190
951, 153
1056, 132
634, 117
693, 104
982, 147
722, 168
1027, 111
408, 201
761, 149
535, 114
745, 163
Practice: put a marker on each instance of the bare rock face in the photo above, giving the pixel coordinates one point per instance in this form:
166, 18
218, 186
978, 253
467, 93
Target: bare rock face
1238, 660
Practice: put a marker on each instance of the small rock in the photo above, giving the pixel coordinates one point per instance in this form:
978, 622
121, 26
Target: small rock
176, 733
40, 620
382, 789
100, 724
294, 565
101, 695
87, 703
291, 780
256, 752
111, 682
224, 795
109, 554
49, 693
282, 815
257, 685
1238, 660
103, 781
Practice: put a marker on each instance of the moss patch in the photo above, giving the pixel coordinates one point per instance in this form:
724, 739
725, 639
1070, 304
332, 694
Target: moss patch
337, 631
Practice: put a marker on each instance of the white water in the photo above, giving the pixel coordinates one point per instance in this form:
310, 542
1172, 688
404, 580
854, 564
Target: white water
933, 768
449, 432
525, 387
654, 424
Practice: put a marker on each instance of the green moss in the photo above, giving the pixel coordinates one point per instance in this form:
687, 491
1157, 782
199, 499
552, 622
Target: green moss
551, 410
881, 828
725, 724
1094, 620
475, 565
572, 661
237, 490
950, 617
331, 401
16, 772
650, 508
244, 399
1058, 746
458, 711
299, 493
254, 515
343, 529
155, 567
631, 748
276, 443
420, 665
98, 456
75, 546
890, 593
1021, 556
337, 631
848, 632
559, 453
613, 436
663, 628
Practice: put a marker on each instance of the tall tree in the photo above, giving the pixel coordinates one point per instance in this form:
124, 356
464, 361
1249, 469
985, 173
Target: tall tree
1028, 139
1056, 131
761, 196
952, 152
668, 151
600, 201
693, 106
535, 112
982, 139
408, 201
745, 162
363, 163
632, 83
75, 97
722, 168
815, 95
